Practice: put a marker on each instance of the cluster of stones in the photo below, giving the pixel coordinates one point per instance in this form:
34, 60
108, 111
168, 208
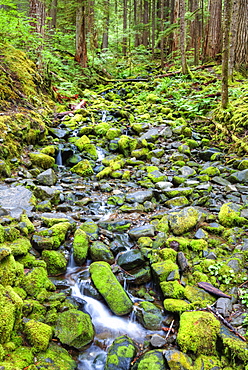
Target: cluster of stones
178, 201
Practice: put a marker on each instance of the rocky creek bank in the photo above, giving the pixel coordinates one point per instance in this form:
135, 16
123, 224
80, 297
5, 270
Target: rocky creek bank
151, 216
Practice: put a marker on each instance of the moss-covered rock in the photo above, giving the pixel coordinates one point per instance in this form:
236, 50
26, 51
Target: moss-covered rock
56, 358
112, 291
83, 168
74, 328
126, 145
36, 281
164, 268
229, 215
19, 247
53, 237
152, 360
184, 220
10, 270
55, 261
80, 246
41, 160
149, 315
38, 334
120, 354
178, 360
172, 289
176, 305
101, 252
204, 362
10, 312
198, 332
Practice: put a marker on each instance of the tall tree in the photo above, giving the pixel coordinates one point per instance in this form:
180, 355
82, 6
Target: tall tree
37, 14
185, 69
124, 40
105, 37
225, 52
81, 46
213, 34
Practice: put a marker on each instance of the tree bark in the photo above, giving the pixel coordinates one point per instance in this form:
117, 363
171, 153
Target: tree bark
105, 36
37, 14
81, 47
124, 40
53, 15
225, 52
212, 47
185, 69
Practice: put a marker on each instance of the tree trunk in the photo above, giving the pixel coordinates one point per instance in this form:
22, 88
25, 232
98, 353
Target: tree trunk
81, 47
153, 16
225, 52
162, 37
145, 33
53, 15
105, 36
37, 14
195, 30
239, 36
124, 40
183, 37
174, 19
212, 47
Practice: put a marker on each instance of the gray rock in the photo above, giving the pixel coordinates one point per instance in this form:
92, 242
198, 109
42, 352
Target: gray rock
15, 200
131, 259
220, 181
207, 154
239, 176
224, 306
101, 252
201, 234
182, 261
47, 177
186, 171
139, 196
145, 230
157, 341
177, 360
118, 351
151, 135
161, 185
149, 315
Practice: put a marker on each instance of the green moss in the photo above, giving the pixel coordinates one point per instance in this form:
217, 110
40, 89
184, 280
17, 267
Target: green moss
200, 296
207, 363
74, 328
102, 128
41, 160
38, 334
198, 332
152, 360
176, 305
112, 291
80, 246
9, 270
229, 215
54, 236
198, 244
236, 349
210, 171
163, 269
145, 241
49, 150
36, 281
83, 168
172, 289
56, 358
24, 218
19, 247
113, 133
20, 358
168, 254
55, 261
126, 145
183, 243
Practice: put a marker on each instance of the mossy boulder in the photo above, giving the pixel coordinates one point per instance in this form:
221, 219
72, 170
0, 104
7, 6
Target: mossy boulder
36, 281
198, 332
85, 146
20, 358
110, 288
53, 237
74, 328
177, 360
10, 312
120, 354
195, 294
152, 360
56, 358
149, 315
83, 168
172, 289
101, 252
11, 272
126, 145
80, 246
20, 246
176, 305
229, 215
55, 261
38, 334
184, 220
41, 160
203, 362
162, 270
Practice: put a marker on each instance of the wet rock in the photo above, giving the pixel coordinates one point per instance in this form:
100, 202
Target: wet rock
209, 153
142, 231
204, 362
194, 294
184, 220
149, 315
74, 328
101, 252
157, 341
58, 357
151, 359
177, 360
176, 192
177, 202
47, 177
120, 354
182, 261
172, 289
51, 238
112, 291
233, 345
151, 135
239, 176
161, 185
162, 270
139, 196
139, 276
131, 259
176, 305
198, 332
47, 192
224, 306
115, 226
17, 199
59, 132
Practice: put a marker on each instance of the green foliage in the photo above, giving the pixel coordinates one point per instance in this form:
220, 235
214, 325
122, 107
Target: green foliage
223, 273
